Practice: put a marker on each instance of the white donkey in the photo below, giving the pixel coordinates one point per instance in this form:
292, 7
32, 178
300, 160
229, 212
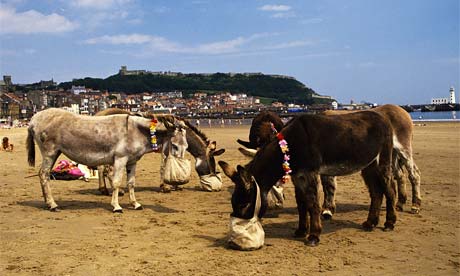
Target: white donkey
117, 140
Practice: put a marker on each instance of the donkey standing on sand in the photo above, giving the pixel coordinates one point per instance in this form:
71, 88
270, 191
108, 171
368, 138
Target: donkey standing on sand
199, 146
319, 144
119, 140
261, 132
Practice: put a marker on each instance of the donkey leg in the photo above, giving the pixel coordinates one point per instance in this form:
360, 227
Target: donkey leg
118, 168
44, 174
300, 197
131, 172
314, 210
398, 174
414, 177
329, 186
390, 195
101, 177
371, 178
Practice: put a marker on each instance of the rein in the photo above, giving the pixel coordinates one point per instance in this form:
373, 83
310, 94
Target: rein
285, 150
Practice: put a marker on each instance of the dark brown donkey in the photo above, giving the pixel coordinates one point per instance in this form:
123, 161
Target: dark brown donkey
402, 153
319, 144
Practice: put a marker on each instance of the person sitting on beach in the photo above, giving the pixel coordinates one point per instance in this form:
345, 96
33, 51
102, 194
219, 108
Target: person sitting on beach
6, 146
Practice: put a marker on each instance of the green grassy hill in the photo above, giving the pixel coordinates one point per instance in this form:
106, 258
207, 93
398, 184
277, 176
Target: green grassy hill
287, 90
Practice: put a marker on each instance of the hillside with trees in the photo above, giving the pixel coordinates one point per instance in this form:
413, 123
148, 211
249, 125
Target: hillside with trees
283, 89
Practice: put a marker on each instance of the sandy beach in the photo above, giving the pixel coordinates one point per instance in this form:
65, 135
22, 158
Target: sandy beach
184, 232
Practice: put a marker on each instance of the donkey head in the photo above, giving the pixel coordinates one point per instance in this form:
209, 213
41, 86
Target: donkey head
211, 152
245, 193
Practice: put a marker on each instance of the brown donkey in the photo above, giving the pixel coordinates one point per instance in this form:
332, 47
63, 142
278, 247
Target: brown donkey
402, 153
402, 125
318, 144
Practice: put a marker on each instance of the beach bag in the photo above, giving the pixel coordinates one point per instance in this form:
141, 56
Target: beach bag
211, 182
247, 234
275, 197
65, 170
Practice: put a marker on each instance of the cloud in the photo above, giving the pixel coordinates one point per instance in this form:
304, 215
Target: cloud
120, 39
291, 44
161, 44
98, 4
314, 20
275, 8
17, 52
283, 15
31, 22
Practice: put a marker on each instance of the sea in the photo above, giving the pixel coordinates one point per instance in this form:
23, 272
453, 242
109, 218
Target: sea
417, 116
435, 116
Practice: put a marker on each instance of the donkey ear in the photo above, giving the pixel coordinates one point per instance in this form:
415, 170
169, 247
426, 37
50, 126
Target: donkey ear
248, 152
218, 152
228, 170
212, 145
244, 143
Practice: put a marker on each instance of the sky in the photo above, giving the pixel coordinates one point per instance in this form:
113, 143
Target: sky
378, 51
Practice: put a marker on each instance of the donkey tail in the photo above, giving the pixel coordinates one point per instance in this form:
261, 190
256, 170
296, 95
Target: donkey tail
30, 147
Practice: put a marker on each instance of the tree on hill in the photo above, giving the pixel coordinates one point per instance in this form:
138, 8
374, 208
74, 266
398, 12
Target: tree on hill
287, 90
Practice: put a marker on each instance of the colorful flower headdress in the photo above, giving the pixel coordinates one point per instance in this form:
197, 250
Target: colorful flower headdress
153, 137
285, 150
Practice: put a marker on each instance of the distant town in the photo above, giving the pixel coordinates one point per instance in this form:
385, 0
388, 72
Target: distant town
19, 105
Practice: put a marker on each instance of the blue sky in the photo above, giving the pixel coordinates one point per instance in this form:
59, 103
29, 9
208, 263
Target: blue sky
382, 51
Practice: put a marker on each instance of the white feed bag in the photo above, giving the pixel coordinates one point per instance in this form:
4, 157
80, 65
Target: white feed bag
247, 234
211, 182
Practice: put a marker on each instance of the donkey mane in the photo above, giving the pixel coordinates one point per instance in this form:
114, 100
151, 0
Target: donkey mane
196, 130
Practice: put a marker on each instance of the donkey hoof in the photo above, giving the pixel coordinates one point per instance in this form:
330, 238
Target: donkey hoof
388, 227
121, 193
55, 209
118, 210
367, 226
327, 214
104, 192
312, 241
140, 207
415, 209
300, 233
399, 207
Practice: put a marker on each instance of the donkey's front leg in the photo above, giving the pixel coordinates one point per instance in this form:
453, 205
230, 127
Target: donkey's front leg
118, 168
313, 208
131, 172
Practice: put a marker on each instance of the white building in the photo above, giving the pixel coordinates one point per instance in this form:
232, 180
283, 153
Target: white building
452, 95
449, 100
77, 89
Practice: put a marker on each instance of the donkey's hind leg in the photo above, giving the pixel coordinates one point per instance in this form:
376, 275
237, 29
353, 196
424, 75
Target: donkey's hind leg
406, 160
329, 187
101, 171
399, 175
131, 172
414, 177
44, 174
